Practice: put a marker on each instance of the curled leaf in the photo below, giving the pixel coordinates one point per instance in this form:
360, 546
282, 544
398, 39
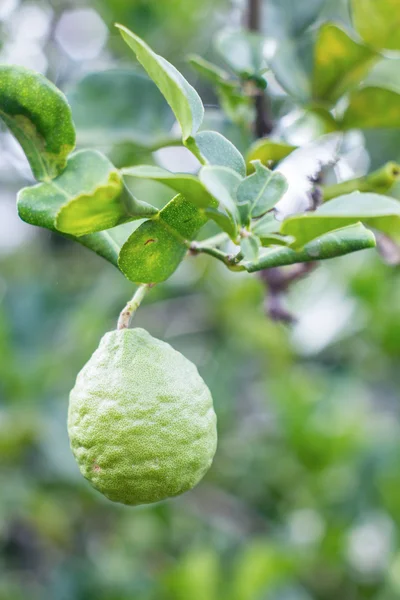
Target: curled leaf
39, 116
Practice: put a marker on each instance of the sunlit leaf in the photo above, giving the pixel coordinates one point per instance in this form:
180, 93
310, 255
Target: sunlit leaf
38, 115
374, 210
333, 244
153, 252
183, 183
339, 63
212, 148
262, 190
377, 103
180, 95
88, 196
378, 22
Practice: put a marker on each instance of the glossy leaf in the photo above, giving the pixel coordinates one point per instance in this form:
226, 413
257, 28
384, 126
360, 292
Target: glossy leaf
153, 252
339, 63
376, 104
88, 196
180, 95
212, 148
374, 210
242, 51
39, 116
378, 22
331, 245
262, 190
118, 106
269, 152
185, 184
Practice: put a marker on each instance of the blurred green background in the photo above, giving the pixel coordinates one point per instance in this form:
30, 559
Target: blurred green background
303, 499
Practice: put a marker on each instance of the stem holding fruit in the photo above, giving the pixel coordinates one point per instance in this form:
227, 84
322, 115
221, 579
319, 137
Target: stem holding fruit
130, 309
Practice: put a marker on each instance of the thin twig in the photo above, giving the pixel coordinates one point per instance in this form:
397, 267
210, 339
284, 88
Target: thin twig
126, 315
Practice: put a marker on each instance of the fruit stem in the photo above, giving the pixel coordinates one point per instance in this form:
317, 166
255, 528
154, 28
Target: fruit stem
130, 309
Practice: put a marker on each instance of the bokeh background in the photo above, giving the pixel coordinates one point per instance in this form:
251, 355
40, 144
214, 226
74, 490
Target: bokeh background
303, 499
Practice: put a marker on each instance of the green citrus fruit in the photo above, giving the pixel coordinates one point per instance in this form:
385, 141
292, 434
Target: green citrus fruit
141, 421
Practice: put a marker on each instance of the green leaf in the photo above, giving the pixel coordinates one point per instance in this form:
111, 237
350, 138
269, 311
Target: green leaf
212, 148
208, 70
289, 60
374, 210
224, 221
262, 190
250, 247
118, 106
339, 63
88, 196
154, 251
107, 244
333, 244
38, 115
242, 51
267, 151
185, 184
378, 22
266, 225
376, 104
222, 183
273, 239
180, 95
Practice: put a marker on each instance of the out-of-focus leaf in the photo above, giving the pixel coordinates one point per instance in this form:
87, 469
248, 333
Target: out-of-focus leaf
335, 243
269, 152
378, 22
208, 70
183, 183
291, 62
39, 116
377, 103
119, 106
222, 183
374, 210
261, 191
154, 251
250, 247
339, 63
212, 148
88, 196
180, 95
242, 51
291, 17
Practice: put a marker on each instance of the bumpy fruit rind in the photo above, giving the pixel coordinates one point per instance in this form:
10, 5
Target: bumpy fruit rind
141, 421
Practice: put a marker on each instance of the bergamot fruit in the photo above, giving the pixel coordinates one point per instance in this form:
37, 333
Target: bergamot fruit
141, 421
